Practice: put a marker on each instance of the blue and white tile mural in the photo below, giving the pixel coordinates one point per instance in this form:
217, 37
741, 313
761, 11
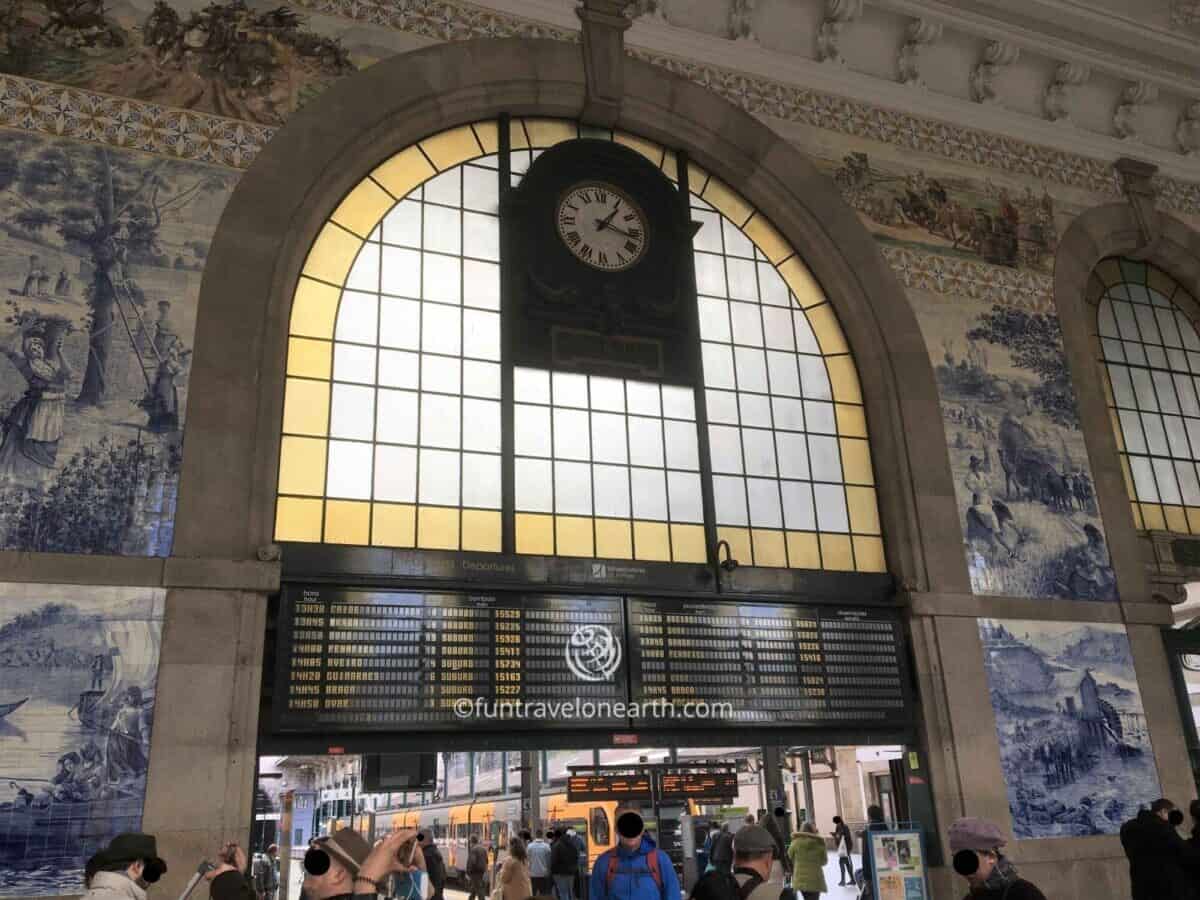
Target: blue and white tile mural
78, 667
1030, 519
1074, 748
101, 252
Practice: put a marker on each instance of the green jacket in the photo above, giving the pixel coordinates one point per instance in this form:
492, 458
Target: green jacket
808, 855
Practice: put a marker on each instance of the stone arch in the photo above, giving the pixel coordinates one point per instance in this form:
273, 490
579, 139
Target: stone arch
325, 148
1104, 231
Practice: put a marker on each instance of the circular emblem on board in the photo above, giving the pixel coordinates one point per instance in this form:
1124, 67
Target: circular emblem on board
593, 653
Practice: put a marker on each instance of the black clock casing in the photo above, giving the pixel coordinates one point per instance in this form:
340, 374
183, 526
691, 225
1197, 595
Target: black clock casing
568, 315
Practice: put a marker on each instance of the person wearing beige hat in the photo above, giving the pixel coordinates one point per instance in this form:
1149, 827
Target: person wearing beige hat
343, 866
976, 845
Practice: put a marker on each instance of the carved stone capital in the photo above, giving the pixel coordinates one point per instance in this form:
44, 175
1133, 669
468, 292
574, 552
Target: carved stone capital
1126, 118
838, 14
741, 20
604, 27
997, 56
1059, 92
1188, 132
919, 33
1137, 183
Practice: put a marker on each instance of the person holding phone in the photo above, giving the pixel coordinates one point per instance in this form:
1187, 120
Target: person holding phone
343, 866
1162, 865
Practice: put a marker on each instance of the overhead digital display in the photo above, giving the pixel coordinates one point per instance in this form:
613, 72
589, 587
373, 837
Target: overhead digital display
697, 786
361, 660
768, 664
581, 788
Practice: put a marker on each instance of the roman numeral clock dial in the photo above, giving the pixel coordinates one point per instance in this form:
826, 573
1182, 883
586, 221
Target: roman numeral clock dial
602, 226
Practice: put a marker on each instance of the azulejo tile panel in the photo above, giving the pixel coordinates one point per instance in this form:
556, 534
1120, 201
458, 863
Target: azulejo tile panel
441, 21
978, 282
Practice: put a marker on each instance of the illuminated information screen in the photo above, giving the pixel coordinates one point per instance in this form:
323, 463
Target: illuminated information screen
774, 664
697, 786
362, 660
581, 788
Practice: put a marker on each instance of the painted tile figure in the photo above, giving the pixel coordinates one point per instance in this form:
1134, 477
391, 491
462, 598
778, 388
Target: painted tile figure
1074, 748
77, 694
1031, 522
93, 386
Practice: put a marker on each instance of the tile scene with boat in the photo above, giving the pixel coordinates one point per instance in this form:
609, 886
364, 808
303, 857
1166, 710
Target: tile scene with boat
78, 667
1074, 748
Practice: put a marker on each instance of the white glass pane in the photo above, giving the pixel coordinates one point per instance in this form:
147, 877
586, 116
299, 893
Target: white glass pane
736, 242
1143, 479
682, 448
396, 418
481, 284
608, 438
533, 485
743, 285
714, 319
364, 276
1137, 293
793, 454
1168, 328
725, 448
649, 493
710, 274
531, 430
1113, 352
1186, 394
441, 329
755, 410
1177, 437
1164, 474
718, 365
1121, 385
442, 230
572, 488
1126, 322
1187, 331
396, 474
751, 369
643, 398
403, 224
349, 473
820, 417
481, 379
825, 460
1144, 387
645, 441
440, 421
777, 325
1158, 299
683, 488
789, 414
611, 485
442, 374
1193, 430
401, 272
722, 407
773, 290
1189, 486
481, 236
764, 503
1165, 389
758, 445
352, 362
481, 189
445, 188
400, 323
1134, 352
1176, 358
814, 380
747, 324
729, 498
399, 369
806, 341
531, 385
830, 501
481, 420
1131, 429
1148, 324
608, 394
709, 236
356, 317
353, 412
481, 334
678, 402
570, 390
1107, 322
441, 278
438, 473
571, 438
798, 514
785, 379
481, 481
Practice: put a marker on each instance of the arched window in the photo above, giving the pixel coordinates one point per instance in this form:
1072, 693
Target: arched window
393, 417
1151, 351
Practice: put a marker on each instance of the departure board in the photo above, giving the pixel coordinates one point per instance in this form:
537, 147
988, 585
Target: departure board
585, 788
768, 664
679, 786
363, 660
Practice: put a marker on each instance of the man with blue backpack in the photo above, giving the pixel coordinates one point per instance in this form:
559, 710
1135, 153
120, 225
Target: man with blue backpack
635, 869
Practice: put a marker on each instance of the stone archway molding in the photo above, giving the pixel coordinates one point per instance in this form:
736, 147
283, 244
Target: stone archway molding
236, 396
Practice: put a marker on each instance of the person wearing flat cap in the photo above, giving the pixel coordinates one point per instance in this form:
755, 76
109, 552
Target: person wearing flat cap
124, 869
343, 866
976, 845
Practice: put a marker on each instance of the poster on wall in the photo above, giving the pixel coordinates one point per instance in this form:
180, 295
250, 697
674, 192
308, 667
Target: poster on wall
1074, 747
78, 669
899, 858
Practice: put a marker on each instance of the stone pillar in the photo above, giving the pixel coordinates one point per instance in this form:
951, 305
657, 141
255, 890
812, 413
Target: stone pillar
853, 808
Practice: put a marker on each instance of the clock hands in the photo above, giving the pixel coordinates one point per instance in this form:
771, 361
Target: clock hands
606, 222
601, 224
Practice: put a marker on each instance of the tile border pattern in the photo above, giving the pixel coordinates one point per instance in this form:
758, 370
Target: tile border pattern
439, 19
943, 274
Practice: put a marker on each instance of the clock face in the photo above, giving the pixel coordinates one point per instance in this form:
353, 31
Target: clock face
602, 226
